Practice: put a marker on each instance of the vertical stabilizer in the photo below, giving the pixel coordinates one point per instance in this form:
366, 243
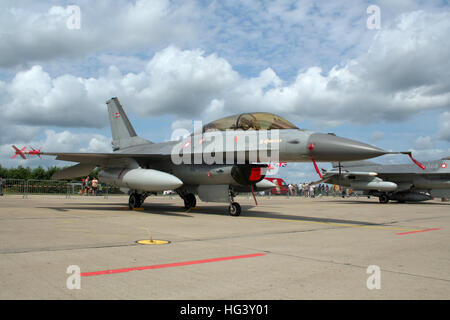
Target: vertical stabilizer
123, 133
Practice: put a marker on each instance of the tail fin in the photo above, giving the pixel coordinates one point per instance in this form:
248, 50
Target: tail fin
122, 131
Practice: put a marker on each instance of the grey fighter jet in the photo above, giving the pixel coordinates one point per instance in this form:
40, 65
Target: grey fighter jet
215, 162
400, 182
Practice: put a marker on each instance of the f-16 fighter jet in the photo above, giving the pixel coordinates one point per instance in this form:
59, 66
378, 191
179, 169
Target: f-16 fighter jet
215, 162
400, 182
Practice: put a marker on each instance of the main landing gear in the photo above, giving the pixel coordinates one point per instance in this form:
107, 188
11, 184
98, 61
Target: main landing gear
136, 200
384, 198
189, 201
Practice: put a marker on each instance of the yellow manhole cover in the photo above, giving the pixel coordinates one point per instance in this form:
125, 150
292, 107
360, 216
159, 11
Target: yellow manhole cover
152, 241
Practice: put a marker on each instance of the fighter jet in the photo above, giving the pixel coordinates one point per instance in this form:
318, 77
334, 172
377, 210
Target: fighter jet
215, 162
400, 182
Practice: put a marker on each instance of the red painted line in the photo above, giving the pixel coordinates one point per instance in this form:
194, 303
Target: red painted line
399, 234
168, 265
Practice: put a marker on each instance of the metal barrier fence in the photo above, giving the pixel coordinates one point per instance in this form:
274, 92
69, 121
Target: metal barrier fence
13, 186
52, 187
68, 189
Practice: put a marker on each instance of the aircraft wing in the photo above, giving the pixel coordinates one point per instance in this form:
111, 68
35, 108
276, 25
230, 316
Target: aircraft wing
98, 159
88, 161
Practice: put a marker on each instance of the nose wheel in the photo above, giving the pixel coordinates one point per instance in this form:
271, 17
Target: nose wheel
234, 209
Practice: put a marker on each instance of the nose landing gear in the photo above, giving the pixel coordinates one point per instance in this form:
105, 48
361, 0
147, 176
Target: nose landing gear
235, 208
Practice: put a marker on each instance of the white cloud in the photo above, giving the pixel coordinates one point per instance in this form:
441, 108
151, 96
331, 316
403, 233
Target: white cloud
423, 143
37, 32
376, 136
431, 154
444, 126
182, 124
394, 80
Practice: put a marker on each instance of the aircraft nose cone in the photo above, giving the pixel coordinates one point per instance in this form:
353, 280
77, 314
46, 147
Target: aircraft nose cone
328, 147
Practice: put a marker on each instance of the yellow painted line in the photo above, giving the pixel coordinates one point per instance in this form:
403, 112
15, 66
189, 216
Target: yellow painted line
335, 224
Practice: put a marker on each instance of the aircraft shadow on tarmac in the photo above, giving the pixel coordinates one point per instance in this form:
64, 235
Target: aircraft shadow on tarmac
179, 211
351, 201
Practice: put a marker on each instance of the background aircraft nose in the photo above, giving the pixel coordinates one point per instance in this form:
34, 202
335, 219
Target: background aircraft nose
328, 147
264, 185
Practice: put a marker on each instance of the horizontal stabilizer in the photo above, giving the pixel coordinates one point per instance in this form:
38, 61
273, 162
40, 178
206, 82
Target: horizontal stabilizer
78, 170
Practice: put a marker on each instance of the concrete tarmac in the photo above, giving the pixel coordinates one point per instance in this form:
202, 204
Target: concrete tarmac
284, 248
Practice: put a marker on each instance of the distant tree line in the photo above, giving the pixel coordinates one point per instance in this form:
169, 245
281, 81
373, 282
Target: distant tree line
39, 173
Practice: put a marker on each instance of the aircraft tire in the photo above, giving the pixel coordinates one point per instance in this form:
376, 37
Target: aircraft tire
133, 201
234, 209
190, 201
383, 198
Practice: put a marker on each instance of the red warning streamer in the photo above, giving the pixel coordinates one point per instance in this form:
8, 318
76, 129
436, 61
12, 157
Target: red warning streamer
311, 149
253, 194
423, 167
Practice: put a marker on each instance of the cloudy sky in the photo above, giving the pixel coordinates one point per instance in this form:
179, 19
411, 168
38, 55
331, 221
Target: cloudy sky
322, 65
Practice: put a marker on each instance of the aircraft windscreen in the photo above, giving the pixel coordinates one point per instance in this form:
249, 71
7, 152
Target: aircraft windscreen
250, 121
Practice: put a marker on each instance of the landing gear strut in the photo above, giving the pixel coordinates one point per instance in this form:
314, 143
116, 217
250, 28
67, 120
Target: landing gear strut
235, 208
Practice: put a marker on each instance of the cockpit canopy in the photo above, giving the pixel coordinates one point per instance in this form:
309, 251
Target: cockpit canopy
249, 121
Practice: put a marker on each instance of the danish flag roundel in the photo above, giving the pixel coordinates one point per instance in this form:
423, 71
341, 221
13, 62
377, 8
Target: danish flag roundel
444, 165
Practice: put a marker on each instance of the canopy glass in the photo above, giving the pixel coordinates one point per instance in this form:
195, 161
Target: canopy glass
250, 121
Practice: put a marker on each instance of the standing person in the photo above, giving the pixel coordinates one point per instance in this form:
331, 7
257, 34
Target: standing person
83, 183
94, 186
86, 185
311, 191
1, 186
